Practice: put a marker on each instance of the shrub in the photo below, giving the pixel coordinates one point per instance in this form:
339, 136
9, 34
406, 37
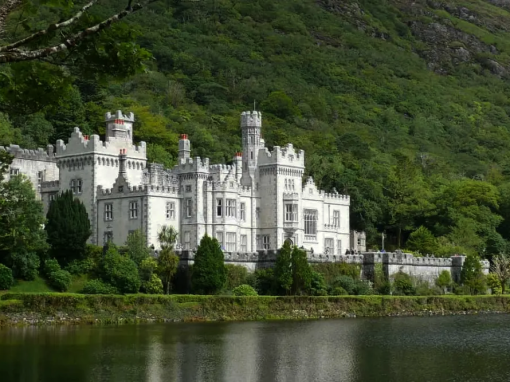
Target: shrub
6, 279
60, 280
444, 280
331, 271
236, 275
50, 266
338, 291
265, 282
25, 264
119, 271
153, 286
472, 276
494, 283
361, 288
403, 284
244, 290
81, 267
423, 288
318, 285
384, 288
98, 287
346, 282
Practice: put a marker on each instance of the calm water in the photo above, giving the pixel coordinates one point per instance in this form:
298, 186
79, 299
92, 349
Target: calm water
473, 348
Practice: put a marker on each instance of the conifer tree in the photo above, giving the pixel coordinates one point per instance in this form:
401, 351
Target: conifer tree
301, 272
282, 268
68, 228
209, 272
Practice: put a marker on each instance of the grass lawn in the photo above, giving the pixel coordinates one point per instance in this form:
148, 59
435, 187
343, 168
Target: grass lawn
39, 285
78, 283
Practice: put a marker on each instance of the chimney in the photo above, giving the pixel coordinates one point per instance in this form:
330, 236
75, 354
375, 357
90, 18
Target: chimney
184, 147
122, 163
238, 161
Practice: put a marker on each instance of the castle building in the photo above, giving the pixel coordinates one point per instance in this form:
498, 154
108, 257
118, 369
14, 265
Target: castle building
255, 204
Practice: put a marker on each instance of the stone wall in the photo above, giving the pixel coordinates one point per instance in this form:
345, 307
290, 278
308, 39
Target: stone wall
422, 268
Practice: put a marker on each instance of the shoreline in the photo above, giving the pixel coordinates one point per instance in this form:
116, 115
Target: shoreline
42, 309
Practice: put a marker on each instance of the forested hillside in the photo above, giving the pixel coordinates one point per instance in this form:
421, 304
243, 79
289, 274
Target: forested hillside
402, 104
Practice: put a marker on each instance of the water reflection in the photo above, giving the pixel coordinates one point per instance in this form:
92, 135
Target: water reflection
353, 350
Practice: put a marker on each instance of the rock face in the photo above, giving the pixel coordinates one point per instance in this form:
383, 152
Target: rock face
445, 34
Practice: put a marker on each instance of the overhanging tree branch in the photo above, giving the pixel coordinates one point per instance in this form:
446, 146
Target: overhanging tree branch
51, 28
16, 54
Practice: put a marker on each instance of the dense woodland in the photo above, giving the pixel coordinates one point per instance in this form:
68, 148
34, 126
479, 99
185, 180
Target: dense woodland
402, 105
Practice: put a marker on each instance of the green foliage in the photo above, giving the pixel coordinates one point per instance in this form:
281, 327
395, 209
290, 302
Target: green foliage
318, 286
209, 274
167, 266
153, 286
50, 266
81, 267
362, 288
444, 280
98, 287
265, 283
345, 282
244, 290
494, 283
331, 271
403, 284
6, 279
236, 275
472, 276
301, 272
68, 228
60, 280
423, 241
283, 268
137, 248
22, 238
119, 271
338, 291
381, 284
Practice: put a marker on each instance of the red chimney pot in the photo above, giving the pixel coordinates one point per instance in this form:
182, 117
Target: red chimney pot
184, 136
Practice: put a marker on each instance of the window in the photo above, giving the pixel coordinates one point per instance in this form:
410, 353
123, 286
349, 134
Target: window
170, 210
231, 208
244, 243
133, 210
219, 207
53, 196
188, 208
359, 241
188, 188
14, 171
243, 212
336, 218
329, 246
121, 188
40, 177
107, 237
291, 214
73, 186
310, 222
108, 211
339, 247
219, 237
187, 240
231, 242
78, 186
265, 242
251, 154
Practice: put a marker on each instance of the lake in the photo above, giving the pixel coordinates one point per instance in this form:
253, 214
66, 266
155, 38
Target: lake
436, 349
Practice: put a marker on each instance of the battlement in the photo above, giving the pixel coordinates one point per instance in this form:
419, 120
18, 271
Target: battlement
221, 168
119, 117
333, 196
196, 164
139, 189
286, 156
85, 144
40, 154
251, 119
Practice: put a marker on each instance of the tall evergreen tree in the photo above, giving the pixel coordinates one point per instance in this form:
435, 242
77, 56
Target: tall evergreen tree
283, 269
301, 272
209, 272
68, 228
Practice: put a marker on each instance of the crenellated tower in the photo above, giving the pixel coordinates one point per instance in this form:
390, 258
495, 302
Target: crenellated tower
119, 127
251, 125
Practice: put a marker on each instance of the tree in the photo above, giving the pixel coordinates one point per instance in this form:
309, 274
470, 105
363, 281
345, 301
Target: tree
167, 237
137, 249
283, 268
57, 37
119, 271
501, 268
167, 266
472, 276
209, 273
68, 228
301, 272
444, 280
422, 240
22, 237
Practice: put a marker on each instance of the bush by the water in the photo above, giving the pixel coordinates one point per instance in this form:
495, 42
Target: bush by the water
98, 287
244, 290
60, 280
119, 271
50, 266
345, 282
152, 286
81, 267
6, 279
236, 275
209, 274
403, 284
338, 291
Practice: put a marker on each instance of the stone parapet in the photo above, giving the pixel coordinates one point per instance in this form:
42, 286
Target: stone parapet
35, 155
